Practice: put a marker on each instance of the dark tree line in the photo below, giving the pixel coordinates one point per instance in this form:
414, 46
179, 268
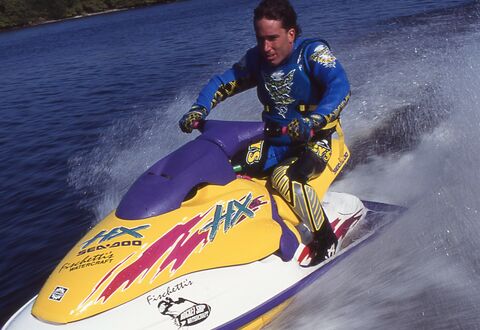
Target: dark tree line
15, 13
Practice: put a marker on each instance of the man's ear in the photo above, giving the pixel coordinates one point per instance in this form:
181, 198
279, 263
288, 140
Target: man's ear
291, 34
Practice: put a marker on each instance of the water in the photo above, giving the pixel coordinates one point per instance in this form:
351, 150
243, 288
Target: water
87, 105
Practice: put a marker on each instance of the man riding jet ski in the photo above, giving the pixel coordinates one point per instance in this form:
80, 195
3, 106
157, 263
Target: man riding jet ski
303, 89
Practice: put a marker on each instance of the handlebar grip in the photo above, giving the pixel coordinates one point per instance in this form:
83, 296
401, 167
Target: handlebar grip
285, 131
282, 130
198, 124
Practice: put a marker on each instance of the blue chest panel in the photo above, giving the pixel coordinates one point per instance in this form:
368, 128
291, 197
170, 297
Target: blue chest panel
285, 87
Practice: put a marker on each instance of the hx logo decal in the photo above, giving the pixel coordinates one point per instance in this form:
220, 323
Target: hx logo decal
115, 232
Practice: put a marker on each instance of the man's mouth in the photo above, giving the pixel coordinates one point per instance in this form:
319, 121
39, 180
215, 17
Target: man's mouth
270, 57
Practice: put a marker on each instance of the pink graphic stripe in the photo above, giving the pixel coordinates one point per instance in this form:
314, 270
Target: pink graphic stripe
145, 262
107, 276
182, 250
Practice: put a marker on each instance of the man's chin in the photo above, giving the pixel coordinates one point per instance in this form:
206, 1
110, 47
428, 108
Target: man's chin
272, 62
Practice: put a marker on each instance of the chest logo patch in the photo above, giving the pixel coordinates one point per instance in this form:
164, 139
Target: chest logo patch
279, 86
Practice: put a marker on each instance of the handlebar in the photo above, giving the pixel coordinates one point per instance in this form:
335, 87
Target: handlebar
270, 130
280, 130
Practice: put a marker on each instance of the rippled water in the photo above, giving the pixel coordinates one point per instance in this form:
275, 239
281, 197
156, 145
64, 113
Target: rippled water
88, 104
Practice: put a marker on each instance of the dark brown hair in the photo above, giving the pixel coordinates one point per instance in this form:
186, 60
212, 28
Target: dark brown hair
279, 10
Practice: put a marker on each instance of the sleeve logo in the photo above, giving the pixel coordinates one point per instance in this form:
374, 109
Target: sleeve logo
324, 56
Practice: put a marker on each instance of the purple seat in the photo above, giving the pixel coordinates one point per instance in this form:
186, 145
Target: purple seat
164, 186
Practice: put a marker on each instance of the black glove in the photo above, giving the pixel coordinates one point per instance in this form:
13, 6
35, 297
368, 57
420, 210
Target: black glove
300, 130
318, 121
194, 116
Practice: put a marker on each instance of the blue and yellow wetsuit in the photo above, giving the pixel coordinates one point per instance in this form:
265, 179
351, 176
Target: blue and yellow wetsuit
310, 84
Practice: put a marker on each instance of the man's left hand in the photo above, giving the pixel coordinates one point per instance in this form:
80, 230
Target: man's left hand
300, 129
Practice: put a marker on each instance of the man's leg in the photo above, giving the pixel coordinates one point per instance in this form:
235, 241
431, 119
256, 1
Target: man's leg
290, 180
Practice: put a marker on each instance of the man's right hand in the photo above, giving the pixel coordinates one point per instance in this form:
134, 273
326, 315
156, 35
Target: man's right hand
192, 118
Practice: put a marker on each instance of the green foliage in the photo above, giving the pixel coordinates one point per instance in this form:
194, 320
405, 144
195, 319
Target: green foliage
14, 13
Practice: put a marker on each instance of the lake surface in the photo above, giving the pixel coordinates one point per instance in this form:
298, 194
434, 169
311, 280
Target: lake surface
87, 105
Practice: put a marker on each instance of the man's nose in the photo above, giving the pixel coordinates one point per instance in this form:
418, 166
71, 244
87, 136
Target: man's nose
267, 46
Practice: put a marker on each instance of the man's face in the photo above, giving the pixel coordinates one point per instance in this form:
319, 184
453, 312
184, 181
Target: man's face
274, 42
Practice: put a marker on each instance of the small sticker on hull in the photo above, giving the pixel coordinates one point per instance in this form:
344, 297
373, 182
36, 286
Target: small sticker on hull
184, 312
58, 293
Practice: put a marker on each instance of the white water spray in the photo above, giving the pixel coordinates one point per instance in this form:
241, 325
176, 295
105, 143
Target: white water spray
423, 271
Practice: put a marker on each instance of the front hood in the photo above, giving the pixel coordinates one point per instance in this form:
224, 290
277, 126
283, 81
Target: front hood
119, 260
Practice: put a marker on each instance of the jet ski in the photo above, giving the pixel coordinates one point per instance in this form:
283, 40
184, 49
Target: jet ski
195, 244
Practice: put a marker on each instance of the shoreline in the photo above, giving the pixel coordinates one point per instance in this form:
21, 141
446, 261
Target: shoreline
105, 12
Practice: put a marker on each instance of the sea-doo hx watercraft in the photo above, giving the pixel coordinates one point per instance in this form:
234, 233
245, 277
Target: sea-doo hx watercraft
194, 244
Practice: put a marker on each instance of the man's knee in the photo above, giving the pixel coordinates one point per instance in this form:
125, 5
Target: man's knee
280, 181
